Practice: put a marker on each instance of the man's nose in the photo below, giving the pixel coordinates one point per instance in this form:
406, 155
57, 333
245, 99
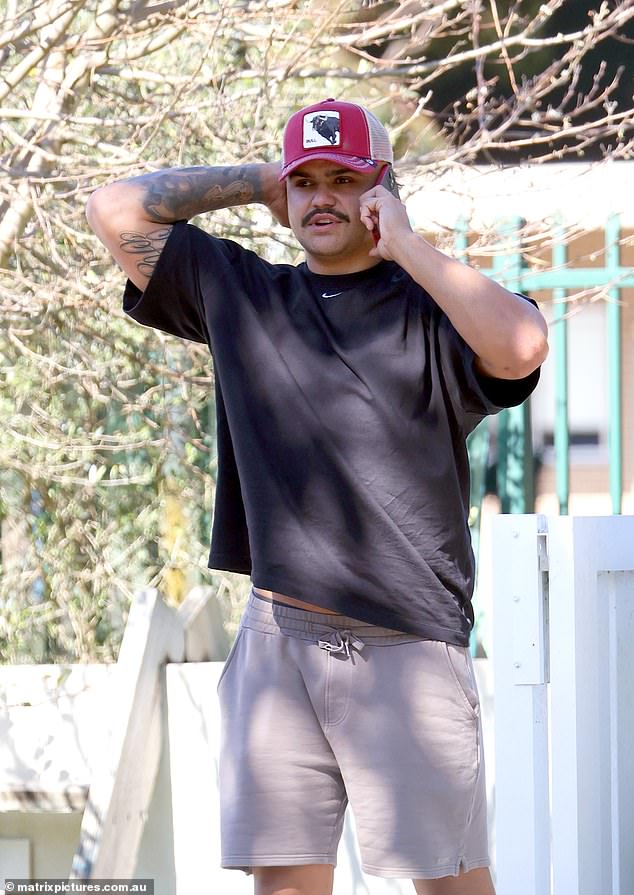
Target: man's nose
323, 196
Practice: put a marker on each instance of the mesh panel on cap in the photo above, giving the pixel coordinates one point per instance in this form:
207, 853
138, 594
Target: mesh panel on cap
380, 146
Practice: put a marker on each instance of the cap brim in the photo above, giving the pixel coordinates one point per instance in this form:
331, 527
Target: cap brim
346, 161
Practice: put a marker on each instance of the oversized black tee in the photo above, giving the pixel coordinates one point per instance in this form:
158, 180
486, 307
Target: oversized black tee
343, 404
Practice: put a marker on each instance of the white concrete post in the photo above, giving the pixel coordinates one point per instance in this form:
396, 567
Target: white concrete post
576, 632
589, 672
521, 712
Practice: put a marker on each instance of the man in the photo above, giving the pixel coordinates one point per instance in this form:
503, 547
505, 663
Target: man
345, 389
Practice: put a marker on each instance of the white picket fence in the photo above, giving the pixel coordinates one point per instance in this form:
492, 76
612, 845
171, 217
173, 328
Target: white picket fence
564, 704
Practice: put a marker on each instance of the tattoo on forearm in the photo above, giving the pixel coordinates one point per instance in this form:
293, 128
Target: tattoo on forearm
179, 194
147, 245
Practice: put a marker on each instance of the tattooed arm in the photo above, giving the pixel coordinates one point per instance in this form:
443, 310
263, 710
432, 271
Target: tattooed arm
133, 218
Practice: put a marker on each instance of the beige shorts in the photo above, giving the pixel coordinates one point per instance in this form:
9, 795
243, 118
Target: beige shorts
318, 710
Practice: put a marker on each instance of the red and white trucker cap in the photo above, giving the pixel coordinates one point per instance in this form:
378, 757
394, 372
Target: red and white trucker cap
338, 131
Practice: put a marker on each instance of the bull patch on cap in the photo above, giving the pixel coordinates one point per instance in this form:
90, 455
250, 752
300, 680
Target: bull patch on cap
322, 128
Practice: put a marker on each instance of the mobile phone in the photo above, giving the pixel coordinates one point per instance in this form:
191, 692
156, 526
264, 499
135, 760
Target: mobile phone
387, 179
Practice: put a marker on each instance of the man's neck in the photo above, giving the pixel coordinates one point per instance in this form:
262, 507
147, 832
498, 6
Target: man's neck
333, 267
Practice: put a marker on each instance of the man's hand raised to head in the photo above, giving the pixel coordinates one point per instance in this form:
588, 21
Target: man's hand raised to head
276, 199
133, 218
384, 214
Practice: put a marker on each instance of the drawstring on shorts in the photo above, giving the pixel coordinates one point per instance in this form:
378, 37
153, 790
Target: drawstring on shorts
340, 642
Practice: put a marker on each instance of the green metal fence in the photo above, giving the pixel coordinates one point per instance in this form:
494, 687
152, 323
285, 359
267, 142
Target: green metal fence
515, 473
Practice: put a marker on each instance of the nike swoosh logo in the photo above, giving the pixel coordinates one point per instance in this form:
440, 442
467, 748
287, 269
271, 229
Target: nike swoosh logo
330, 294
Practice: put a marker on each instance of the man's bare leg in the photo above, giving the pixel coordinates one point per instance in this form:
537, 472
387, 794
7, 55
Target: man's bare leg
476, 882
305, 879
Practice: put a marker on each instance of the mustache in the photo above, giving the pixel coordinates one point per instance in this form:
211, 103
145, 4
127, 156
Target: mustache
315, 211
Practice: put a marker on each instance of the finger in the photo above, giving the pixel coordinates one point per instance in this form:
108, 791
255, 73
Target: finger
377, 192
372, 197
369, 219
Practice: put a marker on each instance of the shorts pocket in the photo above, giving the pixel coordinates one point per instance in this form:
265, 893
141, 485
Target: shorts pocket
459, 663
230, 656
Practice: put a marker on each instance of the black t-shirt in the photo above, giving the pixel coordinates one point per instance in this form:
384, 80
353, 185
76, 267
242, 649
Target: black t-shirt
343, 405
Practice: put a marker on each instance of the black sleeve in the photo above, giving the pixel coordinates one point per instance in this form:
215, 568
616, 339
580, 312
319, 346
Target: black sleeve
480, 394
173, 300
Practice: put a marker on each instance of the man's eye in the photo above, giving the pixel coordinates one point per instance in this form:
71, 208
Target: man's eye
344, 180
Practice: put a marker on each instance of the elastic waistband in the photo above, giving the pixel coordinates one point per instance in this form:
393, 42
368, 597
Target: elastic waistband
277, 618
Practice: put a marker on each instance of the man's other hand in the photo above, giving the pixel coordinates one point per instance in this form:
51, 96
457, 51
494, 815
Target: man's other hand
386, 215
275, 199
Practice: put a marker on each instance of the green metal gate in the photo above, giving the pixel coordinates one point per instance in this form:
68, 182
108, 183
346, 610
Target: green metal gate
515, 478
